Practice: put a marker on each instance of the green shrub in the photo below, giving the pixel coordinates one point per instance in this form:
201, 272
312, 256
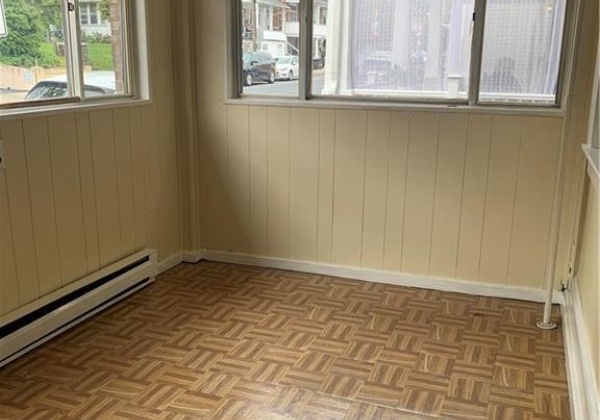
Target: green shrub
100, 57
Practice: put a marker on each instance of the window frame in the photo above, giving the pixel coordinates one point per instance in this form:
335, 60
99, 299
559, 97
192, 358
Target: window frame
135, 55
234, 88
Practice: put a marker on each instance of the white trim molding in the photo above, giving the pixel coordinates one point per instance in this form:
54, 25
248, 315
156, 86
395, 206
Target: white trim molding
583, 391
169, 262
376, 276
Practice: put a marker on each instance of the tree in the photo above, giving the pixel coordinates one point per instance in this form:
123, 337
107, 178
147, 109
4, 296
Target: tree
25, 34
51, 12
111, 11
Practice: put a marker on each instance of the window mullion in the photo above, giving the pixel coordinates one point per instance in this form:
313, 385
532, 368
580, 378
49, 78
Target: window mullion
476, 51
306, 30
73, 48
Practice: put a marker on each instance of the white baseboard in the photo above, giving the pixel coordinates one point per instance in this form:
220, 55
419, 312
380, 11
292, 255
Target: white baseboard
169, 262
583, 391
376, 276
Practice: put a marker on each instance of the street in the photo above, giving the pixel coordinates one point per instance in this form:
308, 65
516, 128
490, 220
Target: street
8, 96
283, 87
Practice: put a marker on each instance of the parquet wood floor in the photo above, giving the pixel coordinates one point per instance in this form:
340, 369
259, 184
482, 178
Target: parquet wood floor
221, 341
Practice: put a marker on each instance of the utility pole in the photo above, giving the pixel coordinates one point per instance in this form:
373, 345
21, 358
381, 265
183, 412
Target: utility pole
254, 17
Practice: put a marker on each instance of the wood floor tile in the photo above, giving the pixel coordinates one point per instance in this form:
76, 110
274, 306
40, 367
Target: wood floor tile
422, 401
221, 341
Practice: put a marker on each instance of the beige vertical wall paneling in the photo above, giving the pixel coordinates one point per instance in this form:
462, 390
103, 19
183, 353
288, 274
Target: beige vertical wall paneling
259, 121
588, 274
375, 189
304, 183
138, 170
279, 182
473, 196
500, 197
533, 201
215, 176
153, 174
396, 190
124, 179
87, 180
107, 186
326, 175
62, 133
238, 187
448, 194
420, 192
41, 195
9, 287
348, 191
17, 186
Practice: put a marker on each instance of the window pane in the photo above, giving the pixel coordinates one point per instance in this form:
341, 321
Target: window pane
521, 50
32, 55
270, 47
392, 48
104, 49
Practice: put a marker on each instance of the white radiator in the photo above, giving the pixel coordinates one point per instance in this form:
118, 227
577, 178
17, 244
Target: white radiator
32, 325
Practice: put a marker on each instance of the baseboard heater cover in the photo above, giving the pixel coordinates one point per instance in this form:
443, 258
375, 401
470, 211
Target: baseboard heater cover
34, 324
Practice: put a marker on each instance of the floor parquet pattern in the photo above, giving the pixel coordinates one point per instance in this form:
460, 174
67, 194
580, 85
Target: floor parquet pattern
221, 341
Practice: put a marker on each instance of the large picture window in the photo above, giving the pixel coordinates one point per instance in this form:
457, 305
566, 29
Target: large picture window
64, 51
449, 51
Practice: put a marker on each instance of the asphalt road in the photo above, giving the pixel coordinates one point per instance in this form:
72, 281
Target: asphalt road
283, 88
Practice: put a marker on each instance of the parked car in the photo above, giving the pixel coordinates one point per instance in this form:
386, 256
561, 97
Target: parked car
287, 68
97, 83
258, 66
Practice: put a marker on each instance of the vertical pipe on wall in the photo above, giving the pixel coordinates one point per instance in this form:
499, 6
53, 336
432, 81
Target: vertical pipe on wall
546, 323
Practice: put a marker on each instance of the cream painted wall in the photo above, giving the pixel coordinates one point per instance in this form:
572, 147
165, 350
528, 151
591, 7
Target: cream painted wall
83, 189
588, 275
445, 194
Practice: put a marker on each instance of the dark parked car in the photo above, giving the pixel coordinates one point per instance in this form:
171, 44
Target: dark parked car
258, 66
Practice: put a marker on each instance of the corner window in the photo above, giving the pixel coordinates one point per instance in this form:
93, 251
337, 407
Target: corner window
65, 51
442, 51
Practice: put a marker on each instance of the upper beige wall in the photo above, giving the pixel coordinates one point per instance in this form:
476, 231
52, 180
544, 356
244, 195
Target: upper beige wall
83, 189
454, 195
588, 275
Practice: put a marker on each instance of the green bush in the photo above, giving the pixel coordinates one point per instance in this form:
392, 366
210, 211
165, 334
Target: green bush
48, 57
100, 57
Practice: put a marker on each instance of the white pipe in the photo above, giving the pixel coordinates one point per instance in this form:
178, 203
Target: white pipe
546, 324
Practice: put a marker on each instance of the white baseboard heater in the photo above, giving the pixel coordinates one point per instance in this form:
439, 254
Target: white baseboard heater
33, 324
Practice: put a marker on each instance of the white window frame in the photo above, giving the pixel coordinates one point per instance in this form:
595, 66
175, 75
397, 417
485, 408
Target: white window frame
305, 97
136, 65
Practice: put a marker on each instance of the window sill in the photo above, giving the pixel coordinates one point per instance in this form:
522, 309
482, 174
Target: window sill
394, 106
53, 109
593, 168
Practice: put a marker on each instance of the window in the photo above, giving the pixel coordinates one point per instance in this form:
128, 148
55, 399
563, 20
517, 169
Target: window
89, 14
448, 51
45, 58
270, 64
